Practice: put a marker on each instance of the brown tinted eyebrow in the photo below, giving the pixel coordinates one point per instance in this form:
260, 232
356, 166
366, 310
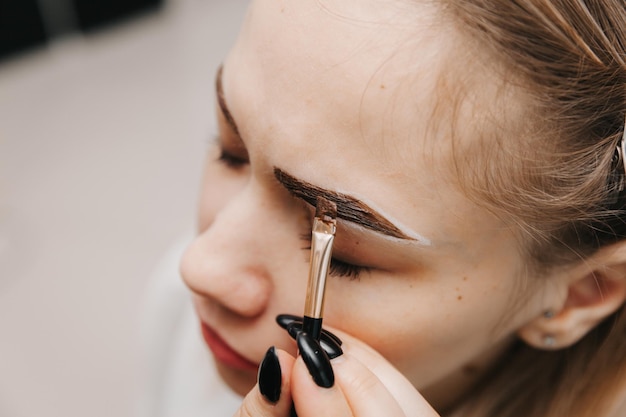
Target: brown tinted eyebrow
349, 208
219, 90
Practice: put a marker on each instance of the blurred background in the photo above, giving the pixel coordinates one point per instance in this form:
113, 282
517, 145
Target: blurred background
106, 108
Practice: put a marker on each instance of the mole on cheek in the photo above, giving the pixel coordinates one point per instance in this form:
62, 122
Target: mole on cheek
460, 297
471, 370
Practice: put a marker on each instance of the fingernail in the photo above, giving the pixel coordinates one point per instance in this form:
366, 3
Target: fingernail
270, 376
294, 329
285, 320
329, 342
332, 349
332, 336
316, 361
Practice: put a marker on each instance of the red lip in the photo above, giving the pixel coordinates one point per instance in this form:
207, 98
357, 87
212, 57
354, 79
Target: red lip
224, 353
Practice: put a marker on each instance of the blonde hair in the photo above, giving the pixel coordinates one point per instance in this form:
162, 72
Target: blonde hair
569, 57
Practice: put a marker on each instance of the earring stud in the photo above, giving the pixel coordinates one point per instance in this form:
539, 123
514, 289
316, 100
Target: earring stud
549, 340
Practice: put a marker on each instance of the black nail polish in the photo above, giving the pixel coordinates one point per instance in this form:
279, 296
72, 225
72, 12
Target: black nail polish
285, 320
294, 329
329, 342
332, 336
270, 376
316, 361
332, 349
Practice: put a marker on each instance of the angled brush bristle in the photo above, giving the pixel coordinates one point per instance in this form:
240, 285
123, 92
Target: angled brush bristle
325, 209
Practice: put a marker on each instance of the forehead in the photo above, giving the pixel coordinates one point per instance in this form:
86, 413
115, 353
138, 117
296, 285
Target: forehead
372, 86
330, 69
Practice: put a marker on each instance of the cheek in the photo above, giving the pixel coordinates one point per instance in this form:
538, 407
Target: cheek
430, 328
363, 309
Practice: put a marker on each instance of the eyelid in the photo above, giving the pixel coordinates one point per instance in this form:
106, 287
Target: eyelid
229, 140
338, 266
341, 268
234, 148
230, 160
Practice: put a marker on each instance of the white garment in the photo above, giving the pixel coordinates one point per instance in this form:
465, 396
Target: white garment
181, 380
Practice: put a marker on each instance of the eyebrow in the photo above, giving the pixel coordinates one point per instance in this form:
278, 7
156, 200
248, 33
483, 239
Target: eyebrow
349, 208
219, 90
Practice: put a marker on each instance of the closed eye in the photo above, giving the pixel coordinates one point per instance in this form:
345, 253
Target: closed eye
339, 268
232, 161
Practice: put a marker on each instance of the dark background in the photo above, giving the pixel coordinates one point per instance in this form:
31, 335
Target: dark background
25, 24
103, 137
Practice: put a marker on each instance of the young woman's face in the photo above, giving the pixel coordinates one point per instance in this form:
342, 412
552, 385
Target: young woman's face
362, 99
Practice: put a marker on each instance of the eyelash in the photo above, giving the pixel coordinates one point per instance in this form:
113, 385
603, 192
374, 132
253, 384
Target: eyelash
228, 159
339, 268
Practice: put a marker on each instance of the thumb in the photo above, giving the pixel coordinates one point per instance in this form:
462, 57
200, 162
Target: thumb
358, 355
359, 383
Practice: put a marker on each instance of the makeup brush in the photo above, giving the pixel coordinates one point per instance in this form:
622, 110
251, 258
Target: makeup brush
324, 226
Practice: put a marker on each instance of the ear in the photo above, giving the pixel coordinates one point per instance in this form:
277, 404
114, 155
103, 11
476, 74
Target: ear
596, 288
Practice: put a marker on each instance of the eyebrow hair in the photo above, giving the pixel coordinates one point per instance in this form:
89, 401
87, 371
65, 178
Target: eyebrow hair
219, 90
348, 208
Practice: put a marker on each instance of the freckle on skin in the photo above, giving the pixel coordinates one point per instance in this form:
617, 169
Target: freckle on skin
464, 278
460, 297
382, 86
470, 370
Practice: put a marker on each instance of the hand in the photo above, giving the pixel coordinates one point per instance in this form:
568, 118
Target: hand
358, 383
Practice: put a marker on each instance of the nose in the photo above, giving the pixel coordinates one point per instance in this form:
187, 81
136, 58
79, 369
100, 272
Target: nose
230, 263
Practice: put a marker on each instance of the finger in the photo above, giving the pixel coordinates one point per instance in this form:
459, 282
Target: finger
405, 394
271, 396
357, 354
293, 325
329, 342
365, 392
358, 392
287, 320
313, 384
